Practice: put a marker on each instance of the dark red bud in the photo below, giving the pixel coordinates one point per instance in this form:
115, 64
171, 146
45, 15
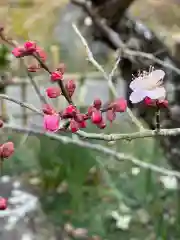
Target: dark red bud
74, 126
149, 102
70, 87
83, 124
96, 117
97, 103
162, 103
101, 125
3, 203
47, 109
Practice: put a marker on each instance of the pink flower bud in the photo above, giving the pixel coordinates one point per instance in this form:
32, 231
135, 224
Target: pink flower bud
119, 105
30, 46
56, 76
53, 92
51, 122
79, 117
70, 87
3, 203
149, 102
47, 109
70, 111
111, 115
61, 68
96, 117
101, 125
162, 103
18, 52
6, 150
97, 103
74, 126
83, 124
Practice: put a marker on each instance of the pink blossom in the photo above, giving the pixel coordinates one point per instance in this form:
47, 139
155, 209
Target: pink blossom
51, 122
148, 85
18, 52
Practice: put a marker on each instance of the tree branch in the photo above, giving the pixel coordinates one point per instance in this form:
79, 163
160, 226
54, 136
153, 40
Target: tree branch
22, 104
96, 147
106, 137
130, 136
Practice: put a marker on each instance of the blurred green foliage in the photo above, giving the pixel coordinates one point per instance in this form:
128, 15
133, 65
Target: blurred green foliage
92, 197
4, 53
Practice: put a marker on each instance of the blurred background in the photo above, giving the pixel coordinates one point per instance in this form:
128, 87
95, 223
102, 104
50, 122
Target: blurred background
62, 191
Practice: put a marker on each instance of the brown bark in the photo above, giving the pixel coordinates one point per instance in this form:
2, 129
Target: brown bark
111, 10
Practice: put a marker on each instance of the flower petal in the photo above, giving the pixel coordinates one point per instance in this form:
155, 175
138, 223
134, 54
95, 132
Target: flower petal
154, 80
136, 83
51, 122
158, 93
157, 74
148, 81
137, 96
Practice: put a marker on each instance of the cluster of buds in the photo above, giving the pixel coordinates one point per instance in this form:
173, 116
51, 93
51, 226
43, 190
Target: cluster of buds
160, 103
78, 120
30, 48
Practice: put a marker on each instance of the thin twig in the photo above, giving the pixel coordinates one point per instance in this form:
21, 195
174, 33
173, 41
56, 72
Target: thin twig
150, 57
130, 136
36, 87
22, 104
108, 77
96, 147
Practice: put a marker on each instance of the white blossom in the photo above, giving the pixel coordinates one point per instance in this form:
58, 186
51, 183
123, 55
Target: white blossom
148, 84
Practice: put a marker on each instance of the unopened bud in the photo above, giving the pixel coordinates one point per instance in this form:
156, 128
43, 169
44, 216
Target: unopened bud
97, 103
96, 117
6, 150
74, 126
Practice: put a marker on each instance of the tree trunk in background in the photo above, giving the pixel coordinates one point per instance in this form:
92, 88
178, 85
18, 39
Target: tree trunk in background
111, 10
121, 28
